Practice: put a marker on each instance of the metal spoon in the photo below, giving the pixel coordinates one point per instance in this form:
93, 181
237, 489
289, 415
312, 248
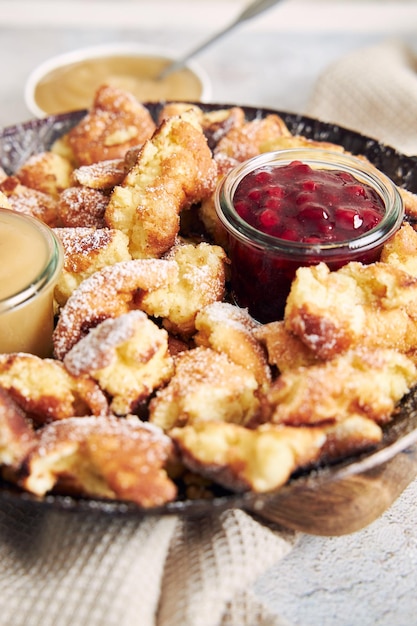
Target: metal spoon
254, 8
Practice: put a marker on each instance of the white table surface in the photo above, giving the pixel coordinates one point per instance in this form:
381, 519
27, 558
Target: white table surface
363, 579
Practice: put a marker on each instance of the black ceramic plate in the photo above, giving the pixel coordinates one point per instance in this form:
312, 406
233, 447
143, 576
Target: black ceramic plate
18, 142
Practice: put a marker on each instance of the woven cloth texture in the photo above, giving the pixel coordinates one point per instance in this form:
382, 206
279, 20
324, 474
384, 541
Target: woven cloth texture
372, 90
60, 568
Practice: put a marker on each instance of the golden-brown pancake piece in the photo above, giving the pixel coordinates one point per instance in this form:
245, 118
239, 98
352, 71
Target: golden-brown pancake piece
401, 250
358, 305
109, 292
245, 141
17, 436
174, 170
288, 142
115, 123
241, 459
23, 199
46, 391
200, 281
410, 202
103, 457
128, 356
82, 207
227, 328
101, 175
47, 172
284, 349
86, 251
361, 382
349, 436
206, 386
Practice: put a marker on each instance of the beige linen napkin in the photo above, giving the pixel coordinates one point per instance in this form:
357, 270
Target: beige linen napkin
60, 568
372, 90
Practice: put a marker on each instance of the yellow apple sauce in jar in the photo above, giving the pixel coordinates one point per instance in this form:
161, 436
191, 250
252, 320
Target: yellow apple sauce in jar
72, 87
300, 207
31, 259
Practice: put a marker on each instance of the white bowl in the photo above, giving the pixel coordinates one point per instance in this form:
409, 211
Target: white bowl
83, 70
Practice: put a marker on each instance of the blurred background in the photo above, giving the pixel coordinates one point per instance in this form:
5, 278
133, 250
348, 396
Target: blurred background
272, 61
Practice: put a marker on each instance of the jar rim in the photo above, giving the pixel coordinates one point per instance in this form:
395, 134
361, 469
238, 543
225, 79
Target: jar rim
319, 158
48, 274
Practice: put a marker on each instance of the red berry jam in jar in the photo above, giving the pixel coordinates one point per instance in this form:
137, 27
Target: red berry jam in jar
299, 207
299, 203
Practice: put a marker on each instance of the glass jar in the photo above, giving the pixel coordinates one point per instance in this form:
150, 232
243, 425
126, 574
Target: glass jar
263, 265
31, 258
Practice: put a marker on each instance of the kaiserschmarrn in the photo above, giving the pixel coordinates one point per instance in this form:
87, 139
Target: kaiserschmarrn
159, 386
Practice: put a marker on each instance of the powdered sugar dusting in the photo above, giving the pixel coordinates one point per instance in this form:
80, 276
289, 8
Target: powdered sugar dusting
83, 240
78, 429
81, 206
107, 293
96, 350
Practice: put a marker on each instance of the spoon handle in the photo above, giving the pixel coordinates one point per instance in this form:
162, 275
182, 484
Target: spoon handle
253, 9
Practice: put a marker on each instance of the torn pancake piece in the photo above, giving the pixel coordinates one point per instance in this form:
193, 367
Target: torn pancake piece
108, 292
17, 435
174, 170
103, 457
127, 355
284, 349
241, 459
29, 201
115, 123
87, 250
206, 385
47, 172
201, 280
82, 207
400, 250
349, 437
374, 306
46, 391
227, 328
359, 382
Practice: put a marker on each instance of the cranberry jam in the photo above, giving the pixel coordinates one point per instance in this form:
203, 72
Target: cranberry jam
299, 207
299, 203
